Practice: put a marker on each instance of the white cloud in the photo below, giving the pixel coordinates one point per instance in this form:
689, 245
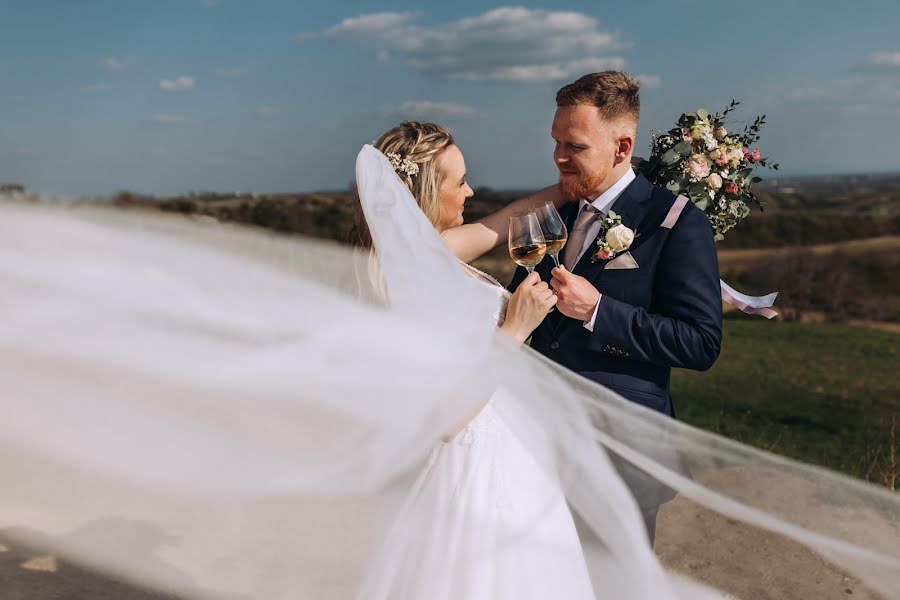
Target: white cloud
649, 81
167, 119
544, 72
885, 59
503, 44
232, 72
117, 64
882, 93
383, 22
96, 88
176, 85
426, 109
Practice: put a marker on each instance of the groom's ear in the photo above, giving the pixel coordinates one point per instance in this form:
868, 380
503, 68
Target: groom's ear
625, 147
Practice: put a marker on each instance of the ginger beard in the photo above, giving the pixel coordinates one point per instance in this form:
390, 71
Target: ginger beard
580, 185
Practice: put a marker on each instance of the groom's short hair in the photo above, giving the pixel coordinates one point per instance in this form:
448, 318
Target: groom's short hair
615, 93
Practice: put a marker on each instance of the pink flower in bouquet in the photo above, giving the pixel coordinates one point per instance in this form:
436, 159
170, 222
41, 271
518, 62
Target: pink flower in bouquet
714, 181
746, 152
719, 157
603, 255
698, 166
756, 154
731, 188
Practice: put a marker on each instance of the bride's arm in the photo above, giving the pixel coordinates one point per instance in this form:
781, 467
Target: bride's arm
472, 240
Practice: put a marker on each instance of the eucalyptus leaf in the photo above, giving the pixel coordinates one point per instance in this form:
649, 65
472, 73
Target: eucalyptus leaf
702, 203
719, 237
697, 189
683, 148
670, 157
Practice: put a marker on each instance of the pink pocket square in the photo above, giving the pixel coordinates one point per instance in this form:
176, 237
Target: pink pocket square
623, 261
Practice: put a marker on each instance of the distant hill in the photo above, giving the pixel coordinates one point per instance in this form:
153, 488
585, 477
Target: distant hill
798, 211
800, 236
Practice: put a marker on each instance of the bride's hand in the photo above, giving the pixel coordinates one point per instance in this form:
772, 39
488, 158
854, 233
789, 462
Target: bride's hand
528, 306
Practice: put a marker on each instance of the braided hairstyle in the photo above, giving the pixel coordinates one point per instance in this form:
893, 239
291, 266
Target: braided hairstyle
420, 143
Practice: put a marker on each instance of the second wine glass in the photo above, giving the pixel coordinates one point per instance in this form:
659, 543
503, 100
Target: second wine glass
553, 228
526, 240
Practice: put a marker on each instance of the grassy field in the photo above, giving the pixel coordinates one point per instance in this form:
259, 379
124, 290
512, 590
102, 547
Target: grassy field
821, 393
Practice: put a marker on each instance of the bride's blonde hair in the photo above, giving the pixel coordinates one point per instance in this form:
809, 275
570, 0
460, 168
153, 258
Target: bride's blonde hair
421, 144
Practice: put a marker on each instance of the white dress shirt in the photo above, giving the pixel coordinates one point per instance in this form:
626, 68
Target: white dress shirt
602, 203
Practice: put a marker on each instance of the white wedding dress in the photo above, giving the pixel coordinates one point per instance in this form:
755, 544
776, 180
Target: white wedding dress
216, 412
483, 520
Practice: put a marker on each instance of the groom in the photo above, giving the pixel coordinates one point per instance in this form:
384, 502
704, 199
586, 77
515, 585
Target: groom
647, 300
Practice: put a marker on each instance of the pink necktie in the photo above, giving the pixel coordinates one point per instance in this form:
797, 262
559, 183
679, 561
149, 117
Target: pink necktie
585, 219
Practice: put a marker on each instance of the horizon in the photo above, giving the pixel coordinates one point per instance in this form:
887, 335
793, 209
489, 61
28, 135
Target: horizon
781, 178
219, 96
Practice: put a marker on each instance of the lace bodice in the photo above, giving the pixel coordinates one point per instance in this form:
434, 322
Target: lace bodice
500, 315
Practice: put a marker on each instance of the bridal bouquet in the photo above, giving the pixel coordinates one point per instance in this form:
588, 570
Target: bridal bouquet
714, 168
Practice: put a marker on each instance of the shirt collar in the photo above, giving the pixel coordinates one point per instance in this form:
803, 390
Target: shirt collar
605, 200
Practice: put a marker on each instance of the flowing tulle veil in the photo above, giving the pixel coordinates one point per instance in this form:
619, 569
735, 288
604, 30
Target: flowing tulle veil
224, 413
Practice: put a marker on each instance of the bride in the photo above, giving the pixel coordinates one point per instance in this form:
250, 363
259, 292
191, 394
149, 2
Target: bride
216, 412
497, 523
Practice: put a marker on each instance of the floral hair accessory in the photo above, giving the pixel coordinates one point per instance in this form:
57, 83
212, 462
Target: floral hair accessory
402, 165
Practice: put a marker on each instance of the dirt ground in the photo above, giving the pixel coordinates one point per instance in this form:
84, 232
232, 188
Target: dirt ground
745, 562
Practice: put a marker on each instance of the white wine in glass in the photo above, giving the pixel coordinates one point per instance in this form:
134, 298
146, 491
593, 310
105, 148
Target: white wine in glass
555, 233
526, 241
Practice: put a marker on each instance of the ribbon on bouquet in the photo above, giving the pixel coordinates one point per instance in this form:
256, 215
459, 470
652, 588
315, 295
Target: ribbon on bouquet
752, 305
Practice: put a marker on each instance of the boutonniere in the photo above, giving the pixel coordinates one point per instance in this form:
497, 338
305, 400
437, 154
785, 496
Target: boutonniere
614, 238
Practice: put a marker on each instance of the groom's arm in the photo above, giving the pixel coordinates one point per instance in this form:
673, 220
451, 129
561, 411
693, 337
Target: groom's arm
687, 330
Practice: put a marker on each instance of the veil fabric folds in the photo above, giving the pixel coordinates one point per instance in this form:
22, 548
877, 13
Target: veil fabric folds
219, 412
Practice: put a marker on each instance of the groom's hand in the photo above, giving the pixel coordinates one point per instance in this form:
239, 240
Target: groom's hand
577, 298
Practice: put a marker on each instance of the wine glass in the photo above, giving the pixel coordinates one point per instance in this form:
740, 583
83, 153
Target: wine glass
554, 229
526, 240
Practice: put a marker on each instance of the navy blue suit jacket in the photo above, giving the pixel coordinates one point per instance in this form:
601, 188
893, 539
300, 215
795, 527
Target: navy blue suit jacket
666, 313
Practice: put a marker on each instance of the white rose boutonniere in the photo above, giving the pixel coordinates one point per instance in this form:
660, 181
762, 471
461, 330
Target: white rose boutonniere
613, 238
619, 238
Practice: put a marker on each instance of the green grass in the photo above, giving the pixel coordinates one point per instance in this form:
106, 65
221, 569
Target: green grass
820, 393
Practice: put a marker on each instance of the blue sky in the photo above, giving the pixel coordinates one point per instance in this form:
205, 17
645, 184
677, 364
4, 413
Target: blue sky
170, 96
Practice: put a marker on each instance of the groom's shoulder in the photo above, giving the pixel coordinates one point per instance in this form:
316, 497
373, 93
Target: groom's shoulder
659, 199
662, 202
